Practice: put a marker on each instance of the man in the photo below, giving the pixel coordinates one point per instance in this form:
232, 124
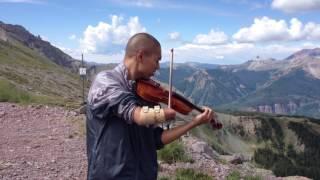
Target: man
122, 136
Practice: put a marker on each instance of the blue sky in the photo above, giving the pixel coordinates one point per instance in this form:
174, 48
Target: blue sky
217, 32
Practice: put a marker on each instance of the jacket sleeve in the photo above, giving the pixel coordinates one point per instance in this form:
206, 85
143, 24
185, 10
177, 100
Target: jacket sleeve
108, 96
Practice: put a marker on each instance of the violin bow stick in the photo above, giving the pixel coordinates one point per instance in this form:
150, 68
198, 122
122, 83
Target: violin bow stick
170, 83
170, 79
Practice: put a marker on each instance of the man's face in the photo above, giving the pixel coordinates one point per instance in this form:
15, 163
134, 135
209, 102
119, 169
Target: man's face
150, 63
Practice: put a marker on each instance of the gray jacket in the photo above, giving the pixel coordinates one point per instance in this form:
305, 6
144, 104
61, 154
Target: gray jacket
118, 148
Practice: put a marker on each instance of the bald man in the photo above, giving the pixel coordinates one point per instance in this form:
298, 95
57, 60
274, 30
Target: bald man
122, 131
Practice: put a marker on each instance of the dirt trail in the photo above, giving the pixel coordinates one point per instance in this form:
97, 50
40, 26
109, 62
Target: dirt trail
40, 142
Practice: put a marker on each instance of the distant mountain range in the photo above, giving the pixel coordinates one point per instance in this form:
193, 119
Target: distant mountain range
288, 86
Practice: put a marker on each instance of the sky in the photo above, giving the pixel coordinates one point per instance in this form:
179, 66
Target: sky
205, 31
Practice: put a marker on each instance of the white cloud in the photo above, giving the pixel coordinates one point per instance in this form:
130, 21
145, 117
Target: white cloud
235, 53
110, 37
296, 5
72, 37
93, 57
220, 54
266, 29
174, 36
214, 37
139, 3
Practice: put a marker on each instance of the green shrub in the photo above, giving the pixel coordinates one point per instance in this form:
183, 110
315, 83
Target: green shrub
234, 175
190, 174
252, 178
9, 93
173, 152
164, 178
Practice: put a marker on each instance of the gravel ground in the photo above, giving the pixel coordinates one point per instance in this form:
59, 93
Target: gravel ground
40, 142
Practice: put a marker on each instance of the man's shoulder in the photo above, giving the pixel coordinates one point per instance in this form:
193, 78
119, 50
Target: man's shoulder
109, 75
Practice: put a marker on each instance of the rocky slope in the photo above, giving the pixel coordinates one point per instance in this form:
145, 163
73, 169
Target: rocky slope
43, 142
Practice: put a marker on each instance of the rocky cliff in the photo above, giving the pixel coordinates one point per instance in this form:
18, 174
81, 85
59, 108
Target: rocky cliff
9, 32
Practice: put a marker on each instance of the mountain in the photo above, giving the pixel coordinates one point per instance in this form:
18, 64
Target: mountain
290, 89
32, 70
256, 65
190, 64
17, 33
286, 145
288, 86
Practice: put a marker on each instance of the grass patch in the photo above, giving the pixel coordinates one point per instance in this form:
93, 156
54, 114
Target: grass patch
163, 178
174, 152
11, 93
190, 174
235, 175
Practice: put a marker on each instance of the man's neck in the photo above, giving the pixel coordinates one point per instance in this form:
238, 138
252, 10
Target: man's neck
131, 67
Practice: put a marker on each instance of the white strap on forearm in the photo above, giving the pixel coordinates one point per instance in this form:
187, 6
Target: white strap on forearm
152, 115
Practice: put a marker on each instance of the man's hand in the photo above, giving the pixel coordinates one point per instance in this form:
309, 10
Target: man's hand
204, 117
169, 114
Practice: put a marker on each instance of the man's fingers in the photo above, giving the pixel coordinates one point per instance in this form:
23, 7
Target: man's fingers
208, 112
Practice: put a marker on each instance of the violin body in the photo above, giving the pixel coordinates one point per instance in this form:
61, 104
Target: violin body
151, 91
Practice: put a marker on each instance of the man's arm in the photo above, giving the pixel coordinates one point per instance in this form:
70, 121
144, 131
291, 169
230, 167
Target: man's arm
172, 134
139, 116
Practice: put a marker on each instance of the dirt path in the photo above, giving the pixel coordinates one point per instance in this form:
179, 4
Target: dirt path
40, 142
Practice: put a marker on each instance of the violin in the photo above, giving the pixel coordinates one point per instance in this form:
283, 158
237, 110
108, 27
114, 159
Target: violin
151, 91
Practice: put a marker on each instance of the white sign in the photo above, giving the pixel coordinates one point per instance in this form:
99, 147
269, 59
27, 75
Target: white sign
82, 71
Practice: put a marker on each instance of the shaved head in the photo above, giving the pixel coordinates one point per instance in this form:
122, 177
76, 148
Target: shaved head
141, 41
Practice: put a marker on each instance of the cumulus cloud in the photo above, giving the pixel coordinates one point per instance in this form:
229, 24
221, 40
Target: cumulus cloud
109, 37
93, 57
296, 6
235, 53
221, 54
266, 29
213, 37
174, 36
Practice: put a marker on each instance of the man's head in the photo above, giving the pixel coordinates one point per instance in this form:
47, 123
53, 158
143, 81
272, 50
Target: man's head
145, 52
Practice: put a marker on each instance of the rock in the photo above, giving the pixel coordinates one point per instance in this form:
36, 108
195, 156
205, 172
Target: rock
82, 109
237, 159
204, 148
39, 106
2, 114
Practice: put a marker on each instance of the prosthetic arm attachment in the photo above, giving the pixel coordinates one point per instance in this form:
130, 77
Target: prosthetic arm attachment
152, 115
